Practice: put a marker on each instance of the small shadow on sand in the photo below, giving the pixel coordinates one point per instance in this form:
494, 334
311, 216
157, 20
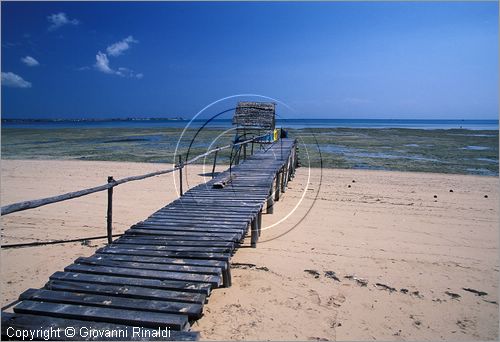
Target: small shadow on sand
208, 174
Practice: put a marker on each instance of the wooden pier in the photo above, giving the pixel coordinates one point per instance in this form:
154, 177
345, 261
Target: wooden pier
160, 273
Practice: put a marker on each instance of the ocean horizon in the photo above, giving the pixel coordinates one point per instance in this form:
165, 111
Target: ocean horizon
428, 124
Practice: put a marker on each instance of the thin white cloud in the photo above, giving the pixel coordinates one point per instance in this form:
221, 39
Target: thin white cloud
30, 61
120, 47
102, 64
9, 79
116, 49
126, 72
57, 20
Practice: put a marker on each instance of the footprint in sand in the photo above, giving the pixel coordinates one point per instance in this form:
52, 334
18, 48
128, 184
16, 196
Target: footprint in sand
336, 301
465, 324
315, 296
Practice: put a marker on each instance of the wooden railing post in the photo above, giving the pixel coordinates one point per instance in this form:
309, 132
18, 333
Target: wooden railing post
294, 161
270, 201
277, 189
180, 175
244, 151
284, 177
215, 162
252, 148
281, 145
254, 237
109, 216
259, 222
238, 153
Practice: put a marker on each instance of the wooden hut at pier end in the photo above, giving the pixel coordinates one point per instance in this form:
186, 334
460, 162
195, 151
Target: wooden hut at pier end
253, 119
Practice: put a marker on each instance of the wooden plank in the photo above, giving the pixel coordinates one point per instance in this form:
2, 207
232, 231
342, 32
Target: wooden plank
213, 280
155, 234
198, 215
214, 211
126, 291
181, 211
192, 228
223, 203
96, 260
172, 285
198, 206
184, 236
190, 255
204, 218
163, 260
173, 242
192, 310
86, 330
197, 249
99, 314
198, 231
185, 223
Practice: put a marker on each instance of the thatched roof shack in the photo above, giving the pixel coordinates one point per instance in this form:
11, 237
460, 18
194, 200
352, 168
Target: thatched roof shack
255, 115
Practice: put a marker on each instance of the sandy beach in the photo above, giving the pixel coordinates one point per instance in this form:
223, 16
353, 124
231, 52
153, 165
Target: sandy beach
347, 254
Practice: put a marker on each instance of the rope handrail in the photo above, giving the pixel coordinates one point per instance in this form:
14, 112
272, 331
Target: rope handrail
25, 205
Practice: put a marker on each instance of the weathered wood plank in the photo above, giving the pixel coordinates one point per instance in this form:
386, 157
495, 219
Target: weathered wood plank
215, 281
126, 291
192, 228
173, 285
96, 260
197, 249
157, 240
184, 235
192, 310
87, 330
190, 255
116, 255
99, 314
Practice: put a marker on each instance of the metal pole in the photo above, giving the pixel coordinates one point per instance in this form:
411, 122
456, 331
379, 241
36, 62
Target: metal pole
180, 175
215, 162
110, 212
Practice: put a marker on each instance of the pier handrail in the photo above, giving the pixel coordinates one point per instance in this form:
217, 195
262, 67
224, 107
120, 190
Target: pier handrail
25, 205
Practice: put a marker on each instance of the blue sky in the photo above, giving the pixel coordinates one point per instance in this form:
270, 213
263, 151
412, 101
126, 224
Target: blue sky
402, 60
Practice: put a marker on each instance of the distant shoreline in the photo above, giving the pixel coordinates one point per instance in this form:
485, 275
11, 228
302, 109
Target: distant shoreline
179, 122
27, 120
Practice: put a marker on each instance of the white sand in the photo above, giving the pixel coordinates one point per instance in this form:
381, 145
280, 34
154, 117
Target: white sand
386, 228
